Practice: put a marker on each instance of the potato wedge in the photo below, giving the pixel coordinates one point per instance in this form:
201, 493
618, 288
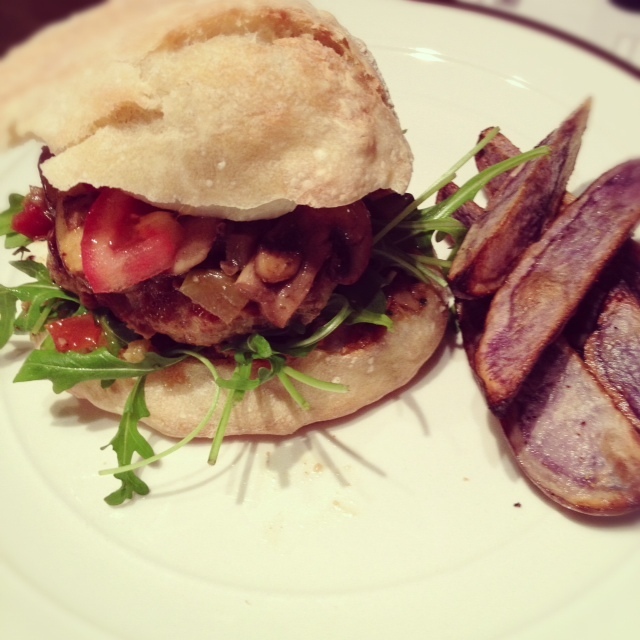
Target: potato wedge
518, 213
570, 439
551, 278
612, 351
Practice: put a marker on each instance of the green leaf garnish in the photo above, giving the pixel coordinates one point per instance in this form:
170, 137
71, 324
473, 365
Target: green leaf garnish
16, 202
33, 269
310, 381
374, 313
233, 398
13, 240
65, 370
127, 441
43, 301
8, 313
443, 181
299, 348
424, 226
116, 334
188, 438
470, 189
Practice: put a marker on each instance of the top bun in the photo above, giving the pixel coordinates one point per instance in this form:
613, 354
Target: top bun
240, 109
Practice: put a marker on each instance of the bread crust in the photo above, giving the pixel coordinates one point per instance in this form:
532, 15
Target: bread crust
179, 397
240, 109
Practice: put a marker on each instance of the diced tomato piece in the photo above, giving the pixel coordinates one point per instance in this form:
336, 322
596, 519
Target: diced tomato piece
126, 242
78, 333
32, 221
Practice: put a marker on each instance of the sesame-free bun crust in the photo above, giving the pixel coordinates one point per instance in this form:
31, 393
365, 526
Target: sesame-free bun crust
179, 397
235, 108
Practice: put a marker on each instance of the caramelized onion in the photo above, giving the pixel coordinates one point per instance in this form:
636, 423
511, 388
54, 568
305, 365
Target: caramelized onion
200, 235
215, 292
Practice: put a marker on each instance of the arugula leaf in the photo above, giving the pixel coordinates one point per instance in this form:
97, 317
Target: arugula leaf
43, 299
65, 370
240, 377
16, 202
302, 347
12, 240
8, 313
127, 441
188, 438
425, 225
441, 182
310, 381
15, 240
410, 264
260, 346
116, 333
33, 269
285, 381
373, 313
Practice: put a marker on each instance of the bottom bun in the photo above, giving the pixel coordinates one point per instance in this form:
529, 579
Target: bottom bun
179, 397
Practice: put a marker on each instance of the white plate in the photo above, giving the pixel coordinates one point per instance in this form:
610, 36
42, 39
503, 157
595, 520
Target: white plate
398, 523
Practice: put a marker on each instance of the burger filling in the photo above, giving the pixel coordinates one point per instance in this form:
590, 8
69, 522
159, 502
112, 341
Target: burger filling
203, 281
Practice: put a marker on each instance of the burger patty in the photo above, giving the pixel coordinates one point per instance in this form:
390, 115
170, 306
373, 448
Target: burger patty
157, 306
285, 269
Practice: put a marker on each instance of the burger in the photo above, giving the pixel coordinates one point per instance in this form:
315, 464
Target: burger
216, 176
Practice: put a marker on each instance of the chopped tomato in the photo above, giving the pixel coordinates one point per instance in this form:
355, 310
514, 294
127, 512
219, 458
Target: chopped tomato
126, 242
32, 221
78, 333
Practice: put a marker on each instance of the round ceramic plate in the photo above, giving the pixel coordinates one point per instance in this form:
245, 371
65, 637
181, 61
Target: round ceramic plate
407, 520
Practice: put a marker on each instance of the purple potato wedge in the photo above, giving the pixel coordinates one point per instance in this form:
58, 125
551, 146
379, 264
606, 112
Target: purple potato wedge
471, 316
629, 265
570, 439
552, 277
517, 215
468, 213
624, 267
612, 351
499, 149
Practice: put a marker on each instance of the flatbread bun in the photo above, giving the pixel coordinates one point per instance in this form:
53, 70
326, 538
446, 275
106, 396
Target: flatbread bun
240, 109
179, 397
